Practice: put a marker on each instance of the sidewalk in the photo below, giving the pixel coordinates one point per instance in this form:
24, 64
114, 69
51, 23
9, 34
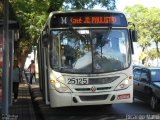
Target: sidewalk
23, 108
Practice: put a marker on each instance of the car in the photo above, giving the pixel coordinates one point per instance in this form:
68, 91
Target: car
135, 66
147, 86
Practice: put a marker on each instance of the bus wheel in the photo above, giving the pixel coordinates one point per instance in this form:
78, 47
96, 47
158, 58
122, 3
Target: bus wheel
154, 103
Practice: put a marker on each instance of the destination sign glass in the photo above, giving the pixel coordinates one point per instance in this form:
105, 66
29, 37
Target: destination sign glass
88, 19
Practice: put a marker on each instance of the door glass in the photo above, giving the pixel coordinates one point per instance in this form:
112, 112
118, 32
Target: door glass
136, 74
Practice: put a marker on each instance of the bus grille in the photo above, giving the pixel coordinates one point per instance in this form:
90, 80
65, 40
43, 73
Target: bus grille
93, 98
105, 80
89, 89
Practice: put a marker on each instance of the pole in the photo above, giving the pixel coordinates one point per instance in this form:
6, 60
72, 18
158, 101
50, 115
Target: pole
5, 68
11, 58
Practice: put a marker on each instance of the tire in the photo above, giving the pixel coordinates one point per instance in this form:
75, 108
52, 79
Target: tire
154, 103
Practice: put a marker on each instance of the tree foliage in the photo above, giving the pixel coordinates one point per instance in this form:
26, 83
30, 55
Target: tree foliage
89, 4
31, 15
136, 15
154, 25
147, 24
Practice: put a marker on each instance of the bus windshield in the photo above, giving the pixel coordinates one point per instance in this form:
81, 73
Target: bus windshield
89, 51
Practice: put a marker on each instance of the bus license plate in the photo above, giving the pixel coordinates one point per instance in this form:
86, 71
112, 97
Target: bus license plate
78, 81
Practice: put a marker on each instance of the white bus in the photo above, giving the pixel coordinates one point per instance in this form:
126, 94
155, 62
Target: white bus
84, 58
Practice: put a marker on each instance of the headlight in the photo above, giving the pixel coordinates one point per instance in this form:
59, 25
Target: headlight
124, 84
60, 87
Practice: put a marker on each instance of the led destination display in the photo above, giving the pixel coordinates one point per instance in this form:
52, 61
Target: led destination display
98, 19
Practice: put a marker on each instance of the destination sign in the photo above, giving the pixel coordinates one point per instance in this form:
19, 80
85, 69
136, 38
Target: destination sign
93, 20
88, 19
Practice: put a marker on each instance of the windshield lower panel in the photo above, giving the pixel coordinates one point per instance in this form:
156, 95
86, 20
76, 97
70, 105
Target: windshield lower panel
89, 51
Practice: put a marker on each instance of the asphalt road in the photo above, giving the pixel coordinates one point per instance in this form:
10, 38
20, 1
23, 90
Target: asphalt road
136, 110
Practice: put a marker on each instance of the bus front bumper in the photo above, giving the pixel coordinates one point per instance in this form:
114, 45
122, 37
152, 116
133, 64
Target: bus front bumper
98, 98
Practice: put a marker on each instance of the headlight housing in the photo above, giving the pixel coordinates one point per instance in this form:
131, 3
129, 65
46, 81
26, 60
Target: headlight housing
59, 86
124, 84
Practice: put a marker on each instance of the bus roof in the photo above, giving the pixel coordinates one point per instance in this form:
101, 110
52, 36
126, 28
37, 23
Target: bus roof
92, 10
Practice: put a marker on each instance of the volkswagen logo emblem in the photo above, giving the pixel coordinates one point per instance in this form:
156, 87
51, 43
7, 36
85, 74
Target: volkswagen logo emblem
93, 89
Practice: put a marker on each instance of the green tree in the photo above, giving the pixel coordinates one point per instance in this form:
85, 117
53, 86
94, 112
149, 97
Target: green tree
31, 15
152, 54
147, 24
154, 26
136, 15
88, 4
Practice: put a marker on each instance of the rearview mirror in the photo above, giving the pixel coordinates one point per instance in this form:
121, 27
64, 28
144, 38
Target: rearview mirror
133, 35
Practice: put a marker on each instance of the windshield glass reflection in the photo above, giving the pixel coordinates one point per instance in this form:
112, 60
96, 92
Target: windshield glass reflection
89, 51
